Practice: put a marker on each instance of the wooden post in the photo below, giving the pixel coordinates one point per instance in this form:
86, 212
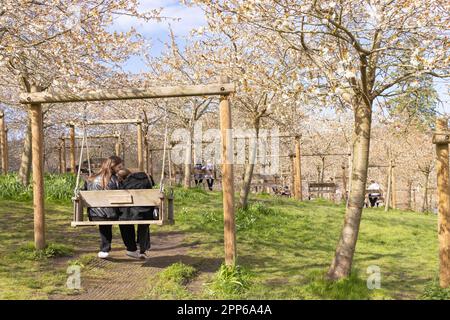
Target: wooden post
117, 146
150, 155
63, 158
298, 170
394, 188
146, 156
72, 148
344, 182
293, 189
3, 144
389, 186
6, 151
37, 138
228, 181
442, 169
350, 169
59, 159
139, 147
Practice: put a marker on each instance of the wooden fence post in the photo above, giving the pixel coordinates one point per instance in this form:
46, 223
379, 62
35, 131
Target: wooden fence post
298, 170
150, 160
3, 144
117, 146
344, 182
146, 156
72, 148
293, 189
394, 188
59, 158
389, 187
139, 148
37, 138
63, 154
228, 181
6, 151
442, 170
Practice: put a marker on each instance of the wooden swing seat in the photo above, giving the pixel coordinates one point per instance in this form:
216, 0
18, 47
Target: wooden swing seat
123, 199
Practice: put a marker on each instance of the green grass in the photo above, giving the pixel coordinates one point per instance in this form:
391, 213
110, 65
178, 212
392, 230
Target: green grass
171, 283
287, 246
284, 248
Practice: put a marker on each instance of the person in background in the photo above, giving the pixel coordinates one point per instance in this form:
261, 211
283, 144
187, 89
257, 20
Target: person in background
198, 174
137, 180
209, 175
106, 179
374, 193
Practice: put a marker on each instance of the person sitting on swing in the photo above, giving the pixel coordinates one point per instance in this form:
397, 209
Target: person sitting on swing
106, 179
137, 180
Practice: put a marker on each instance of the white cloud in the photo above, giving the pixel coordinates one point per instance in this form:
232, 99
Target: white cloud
190, 18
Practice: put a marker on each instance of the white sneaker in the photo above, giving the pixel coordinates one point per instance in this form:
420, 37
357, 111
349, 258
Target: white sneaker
142, 256
103, 255
133, 254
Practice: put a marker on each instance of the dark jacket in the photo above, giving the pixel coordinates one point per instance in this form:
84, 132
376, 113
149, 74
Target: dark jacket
138, 180
102, 213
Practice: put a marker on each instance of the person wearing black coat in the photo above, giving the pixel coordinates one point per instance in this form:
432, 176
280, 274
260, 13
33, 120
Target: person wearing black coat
106, 179
138, 180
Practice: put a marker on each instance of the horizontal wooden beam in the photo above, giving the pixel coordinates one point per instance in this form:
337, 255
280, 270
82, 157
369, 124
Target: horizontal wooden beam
276, 156
264, 136
325, 154
112, 121
380, 166
79, 147
105, 136
128, 94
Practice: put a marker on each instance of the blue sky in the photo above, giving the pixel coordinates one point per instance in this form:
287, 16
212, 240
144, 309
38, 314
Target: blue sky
158, 32
190, 18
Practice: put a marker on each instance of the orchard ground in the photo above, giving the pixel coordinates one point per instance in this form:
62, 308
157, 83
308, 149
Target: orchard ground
284, 250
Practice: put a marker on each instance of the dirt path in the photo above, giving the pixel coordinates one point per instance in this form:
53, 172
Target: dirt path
122, 277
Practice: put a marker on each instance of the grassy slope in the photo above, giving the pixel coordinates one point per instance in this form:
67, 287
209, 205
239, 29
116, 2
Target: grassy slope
286, 251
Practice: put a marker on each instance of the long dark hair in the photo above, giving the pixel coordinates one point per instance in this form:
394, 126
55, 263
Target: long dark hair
106, 170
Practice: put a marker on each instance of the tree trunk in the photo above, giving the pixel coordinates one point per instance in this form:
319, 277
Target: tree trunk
25, 163
246, 183
410, 195
342, 263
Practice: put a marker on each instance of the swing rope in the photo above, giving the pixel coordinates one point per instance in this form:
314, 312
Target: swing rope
84, 141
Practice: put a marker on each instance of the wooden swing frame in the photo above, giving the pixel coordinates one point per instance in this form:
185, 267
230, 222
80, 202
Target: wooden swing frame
140, 138
35, 98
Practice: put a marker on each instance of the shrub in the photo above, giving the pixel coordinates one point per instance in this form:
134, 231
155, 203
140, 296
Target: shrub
58, 187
